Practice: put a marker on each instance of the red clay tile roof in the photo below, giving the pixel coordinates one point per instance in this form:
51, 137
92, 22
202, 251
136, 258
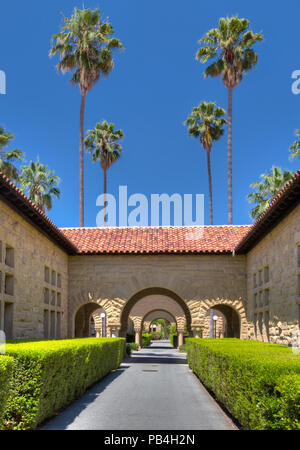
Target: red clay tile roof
281, 205
156, 240
21, 203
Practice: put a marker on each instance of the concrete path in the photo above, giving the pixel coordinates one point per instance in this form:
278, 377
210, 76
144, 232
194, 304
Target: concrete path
152, 390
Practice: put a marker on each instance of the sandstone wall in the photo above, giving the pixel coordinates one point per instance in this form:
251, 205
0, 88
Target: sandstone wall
202, 281
273, 268
24, 254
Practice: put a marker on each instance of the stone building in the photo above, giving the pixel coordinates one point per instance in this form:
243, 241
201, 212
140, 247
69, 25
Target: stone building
58, 283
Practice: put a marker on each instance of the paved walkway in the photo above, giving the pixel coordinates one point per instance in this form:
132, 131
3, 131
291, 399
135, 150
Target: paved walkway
152, 390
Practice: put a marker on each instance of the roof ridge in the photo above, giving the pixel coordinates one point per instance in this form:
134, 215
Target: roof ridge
153, 227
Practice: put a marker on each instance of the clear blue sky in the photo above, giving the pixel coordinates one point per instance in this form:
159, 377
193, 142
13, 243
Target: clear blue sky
155, 83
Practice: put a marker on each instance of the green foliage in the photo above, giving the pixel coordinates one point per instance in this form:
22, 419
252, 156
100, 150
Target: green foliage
130, 347
102, 143
266, 189
85, 46
295, 147
6, 372
39, 184
230, 46
48, 375
146, 339
259, 383
206, 122
9, 157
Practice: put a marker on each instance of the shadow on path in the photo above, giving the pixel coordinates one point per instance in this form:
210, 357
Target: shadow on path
68, 415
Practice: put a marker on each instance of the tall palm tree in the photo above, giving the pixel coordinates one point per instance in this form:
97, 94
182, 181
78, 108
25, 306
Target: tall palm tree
85, 46
269, 186
102, 143
8, 157
230, 45
39, 184
295, 148
206, 123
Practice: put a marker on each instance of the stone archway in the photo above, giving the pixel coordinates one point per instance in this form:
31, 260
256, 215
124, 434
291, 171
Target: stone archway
149, 300
157, 314
82, 319
156, 291
235, 315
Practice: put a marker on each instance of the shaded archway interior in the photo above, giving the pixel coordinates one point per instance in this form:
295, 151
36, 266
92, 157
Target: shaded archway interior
82, 319
148, 292
232, 326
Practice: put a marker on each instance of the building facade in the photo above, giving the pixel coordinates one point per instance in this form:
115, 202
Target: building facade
58, 283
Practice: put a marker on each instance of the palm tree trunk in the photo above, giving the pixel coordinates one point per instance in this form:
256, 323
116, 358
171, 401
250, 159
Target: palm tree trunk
81, 175
210, 187
105, 192
230, 92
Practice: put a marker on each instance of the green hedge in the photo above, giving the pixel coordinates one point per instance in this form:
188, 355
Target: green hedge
130, 347
146, 339
258, 383
6, 372
48, 375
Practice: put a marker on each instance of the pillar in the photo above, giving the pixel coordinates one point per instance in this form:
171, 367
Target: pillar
180, 338
138, 337
98, 332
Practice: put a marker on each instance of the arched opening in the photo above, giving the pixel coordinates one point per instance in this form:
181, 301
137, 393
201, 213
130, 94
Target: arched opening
89, 321
159, 323
226, 325
156, 299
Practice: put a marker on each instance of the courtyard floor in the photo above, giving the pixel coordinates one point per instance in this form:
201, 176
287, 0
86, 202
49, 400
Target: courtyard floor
152, 390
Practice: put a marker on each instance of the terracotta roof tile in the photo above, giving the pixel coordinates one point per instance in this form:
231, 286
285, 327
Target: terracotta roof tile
155, 240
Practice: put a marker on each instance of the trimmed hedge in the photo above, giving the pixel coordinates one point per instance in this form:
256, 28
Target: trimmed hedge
146, 339
49, 375
258, 383
6, 372
130, 347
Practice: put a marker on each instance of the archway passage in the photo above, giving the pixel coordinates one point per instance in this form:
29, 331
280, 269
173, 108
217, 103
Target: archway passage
228, 324
87, 320
149, 293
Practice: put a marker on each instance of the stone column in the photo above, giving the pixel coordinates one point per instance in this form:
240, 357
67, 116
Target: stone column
138, 337
98, 332
113, 331
180, 338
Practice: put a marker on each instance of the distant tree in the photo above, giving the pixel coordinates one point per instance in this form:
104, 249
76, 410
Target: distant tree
295, 148
266, 189
85, 46
165, 329
206, 123
230, 45
39, 184
9, 157
103, 144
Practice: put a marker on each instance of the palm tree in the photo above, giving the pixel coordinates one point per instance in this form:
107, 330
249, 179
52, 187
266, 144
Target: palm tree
295, 148
7, 157
269, 186
85, 46
206, 123
230, 45
39, 184
102, 143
